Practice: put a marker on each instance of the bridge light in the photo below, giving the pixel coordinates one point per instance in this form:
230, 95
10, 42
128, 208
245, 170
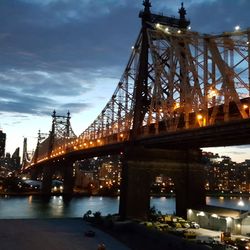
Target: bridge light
176, 105
189, 27
245, 106
199, 117
98, 140
84, 144
121, 135
158, 25
212, 92
237, 28
90, 142
167, 29
179, 31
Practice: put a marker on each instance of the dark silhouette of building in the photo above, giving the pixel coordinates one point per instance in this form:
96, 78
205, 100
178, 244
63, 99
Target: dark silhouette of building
15, 159
2, 143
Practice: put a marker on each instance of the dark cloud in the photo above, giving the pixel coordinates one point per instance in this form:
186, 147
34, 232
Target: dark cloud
60, 48
74, 107
219, 16
16, 102
52, 49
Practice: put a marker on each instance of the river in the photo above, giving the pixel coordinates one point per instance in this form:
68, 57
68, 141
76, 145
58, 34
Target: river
12, 207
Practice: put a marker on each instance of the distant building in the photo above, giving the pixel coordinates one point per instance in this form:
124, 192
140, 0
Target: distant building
9, 164
2, 144
15, 159
226, 176
221, 219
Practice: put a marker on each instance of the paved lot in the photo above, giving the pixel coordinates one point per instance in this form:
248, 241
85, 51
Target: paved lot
52, 234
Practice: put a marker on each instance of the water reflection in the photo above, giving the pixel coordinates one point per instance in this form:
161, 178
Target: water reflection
65, 207
231, 202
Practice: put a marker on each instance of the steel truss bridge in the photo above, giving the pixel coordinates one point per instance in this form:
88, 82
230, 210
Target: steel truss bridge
180, 90
176, 80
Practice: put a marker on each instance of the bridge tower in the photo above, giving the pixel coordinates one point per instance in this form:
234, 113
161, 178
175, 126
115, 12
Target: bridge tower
141, 83
141, 95
61, 132
25, 158
141, 165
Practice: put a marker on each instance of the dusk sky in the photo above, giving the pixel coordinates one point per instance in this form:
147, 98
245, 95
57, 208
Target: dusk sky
70, 54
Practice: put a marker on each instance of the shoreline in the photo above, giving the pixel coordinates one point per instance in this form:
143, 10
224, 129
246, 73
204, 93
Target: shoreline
77, 194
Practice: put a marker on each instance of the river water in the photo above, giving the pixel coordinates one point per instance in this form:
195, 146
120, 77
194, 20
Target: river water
57, 207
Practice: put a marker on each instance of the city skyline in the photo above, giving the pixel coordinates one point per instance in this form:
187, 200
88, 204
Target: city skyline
70, 55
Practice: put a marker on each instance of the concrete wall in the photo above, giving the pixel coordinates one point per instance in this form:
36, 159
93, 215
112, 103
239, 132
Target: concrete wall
245, 226
219, 223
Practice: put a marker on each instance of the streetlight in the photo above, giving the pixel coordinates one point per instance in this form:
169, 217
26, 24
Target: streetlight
241, 204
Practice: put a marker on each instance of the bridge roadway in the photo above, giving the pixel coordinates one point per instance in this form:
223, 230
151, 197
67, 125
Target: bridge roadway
225, 134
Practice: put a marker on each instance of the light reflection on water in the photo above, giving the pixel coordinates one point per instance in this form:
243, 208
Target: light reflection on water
229, 202
58, 207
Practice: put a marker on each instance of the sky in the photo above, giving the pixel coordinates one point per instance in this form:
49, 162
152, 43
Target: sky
70, 54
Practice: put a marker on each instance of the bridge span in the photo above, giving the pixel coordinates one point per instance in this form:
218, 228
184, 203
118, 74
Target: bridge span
179, 92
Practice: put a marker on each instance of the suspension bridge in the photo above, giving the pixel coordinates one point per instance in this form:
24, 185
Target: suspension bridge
181, 90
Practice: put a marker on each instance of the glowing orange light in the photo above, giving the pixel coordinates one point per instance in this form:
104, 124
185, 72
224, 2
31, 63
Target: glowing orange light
199, 116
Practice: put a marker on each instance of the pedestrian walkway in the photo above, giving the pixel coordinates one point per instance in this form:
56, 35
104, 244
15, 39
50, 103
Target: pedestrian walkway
53, 234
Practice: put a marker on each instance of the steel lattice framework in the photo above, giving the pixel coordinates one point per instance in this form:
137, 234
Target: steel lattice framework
175, 79
190, 75
53, 144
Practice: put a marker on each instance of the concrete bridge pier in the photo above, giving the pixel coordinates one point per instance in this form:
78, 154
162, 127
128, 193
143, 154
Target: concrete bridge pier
68, 177
34, 173
140, 166
48, 171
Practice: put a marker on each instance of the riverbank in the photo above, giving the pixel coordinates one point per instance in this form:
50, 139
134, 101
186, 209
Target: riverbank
53, 234
85, 194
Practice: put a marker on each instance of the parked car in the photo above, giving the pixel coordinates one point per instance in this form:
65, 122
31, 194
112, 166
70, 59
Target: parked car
194, 225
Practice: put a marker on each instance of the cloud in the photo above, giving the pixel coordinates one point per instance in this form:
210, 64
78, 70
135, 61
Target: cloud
54, 53
56, 49
218, 16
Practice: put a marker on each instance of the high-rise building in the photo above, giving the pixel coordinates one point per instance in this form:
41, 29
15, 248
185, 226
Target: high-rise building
15, 159
2, 144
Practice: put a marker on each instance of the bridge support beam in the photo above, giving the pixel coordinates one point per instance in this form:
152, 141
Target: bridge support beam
68, 176
48, 172
141, 166
34, 173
